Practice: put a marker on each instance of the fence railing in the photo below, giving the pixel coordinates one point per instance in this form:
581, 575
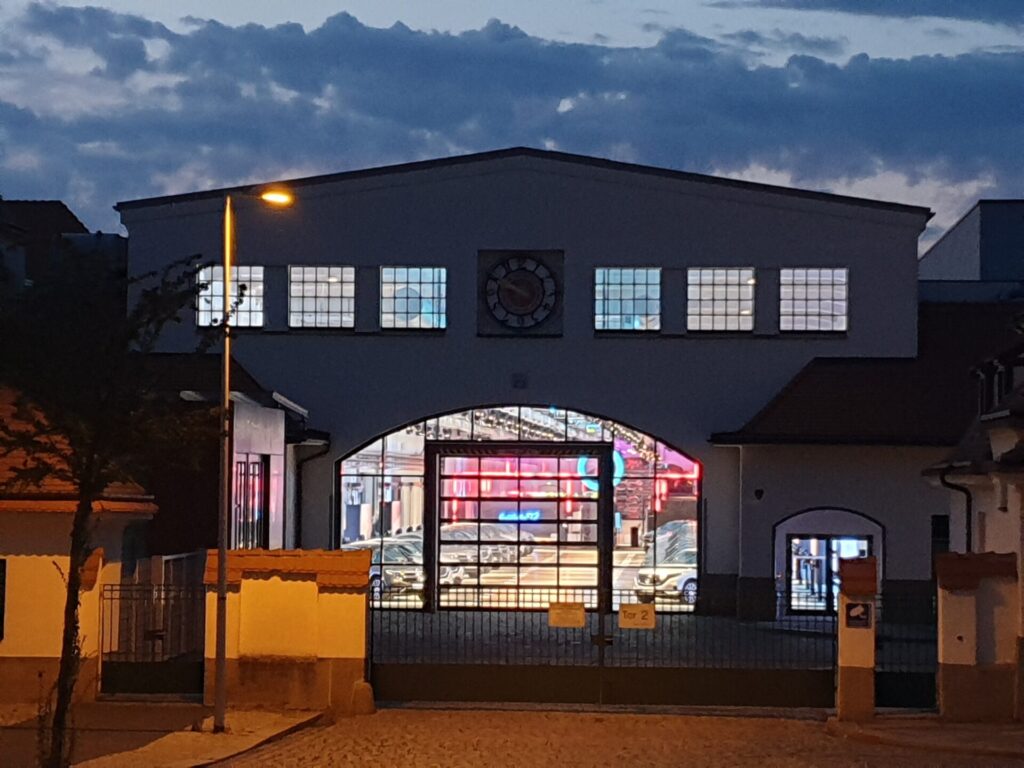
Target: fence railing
151, 623
520, 634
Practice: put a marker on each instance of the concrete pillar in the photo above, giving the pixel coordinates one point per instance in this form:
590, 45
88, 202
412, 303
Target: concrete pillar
977, 607
855, 698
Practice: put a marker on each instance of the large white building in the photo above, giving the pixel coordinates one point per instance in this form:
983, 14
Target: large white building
586, 351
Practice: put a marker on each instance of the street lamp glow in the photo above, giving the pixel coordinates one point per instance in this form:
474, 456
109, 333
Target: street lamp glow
278, 197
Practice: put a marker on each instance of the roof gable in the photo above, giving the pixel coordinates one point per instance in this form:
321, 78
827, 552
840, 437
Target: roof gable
543, 155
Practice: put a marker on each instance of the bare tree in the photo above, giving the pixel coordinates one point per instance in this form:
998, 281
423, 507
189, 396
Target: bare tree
85, 408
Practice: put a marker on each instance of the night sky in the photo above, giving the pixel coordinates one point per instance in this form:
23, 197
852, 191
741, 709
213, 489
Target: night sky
918, 101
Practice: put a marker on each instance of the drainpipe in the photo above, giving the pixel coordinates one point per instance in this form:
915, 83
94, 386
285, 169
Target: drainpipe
968, 505
298, 489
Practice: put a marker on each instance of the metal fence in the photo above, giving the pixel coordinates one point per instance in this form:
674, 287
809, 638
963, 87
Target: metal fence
152, 623
495, 635
906, 651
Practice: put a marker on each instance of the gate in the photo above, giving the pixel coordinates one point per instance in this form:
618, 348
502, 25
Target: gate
472, 624
514, 655
153, 639
906, 652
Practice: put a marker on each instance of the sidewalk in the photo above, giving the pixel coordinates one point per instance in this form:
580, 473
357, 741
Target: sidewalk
246, 729
112, 734
932, 734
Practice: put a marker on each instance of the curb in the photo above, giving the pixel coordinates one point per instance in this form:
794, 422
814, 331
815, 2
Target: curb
856, 732
311, 720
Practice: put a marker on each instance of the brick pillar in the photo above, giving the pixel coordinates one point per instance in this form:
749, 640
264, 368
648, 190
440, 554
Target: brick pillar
855, 699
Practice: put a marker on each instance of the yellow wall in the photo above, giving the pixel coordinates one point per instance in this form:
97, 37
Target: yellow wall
35, 546
290, 617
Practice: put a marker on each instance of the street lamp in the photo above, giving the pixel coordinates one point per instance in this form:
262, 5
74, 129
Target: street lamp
278, 197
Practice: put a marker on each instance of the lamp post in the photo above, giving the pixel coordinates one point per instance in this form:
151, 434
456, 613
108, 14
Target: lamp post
279, 198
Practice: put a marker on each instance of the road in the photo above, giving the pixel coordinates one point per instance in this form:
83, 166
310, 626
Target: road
407, 738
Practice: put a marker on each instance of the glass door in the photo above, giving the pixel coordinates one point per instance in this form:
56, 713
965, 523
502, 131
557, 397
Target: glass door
519, 528
812, 579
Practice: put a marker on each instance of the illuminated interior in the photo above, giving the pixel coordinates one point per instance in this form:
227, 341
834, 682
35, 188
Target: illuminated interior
517, 528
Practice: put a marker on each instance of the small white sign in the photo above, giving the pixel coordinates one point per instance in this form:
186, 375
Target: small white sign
636, 616
567, 615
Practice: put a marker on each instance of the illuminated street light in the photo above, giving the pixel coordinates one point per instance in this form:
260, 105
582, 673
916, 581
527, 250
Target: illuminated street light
280, 198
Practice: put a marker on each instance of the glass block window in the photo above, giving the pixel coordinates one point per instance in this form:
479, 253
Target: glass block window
413, 297
321, 297
720, 299
813, 299
248, 313
627, 299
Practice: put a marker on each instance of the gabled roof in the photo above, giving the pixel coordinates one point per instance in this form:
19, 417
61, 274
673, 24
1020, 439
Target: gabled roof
543, 154
54, 494
927, 400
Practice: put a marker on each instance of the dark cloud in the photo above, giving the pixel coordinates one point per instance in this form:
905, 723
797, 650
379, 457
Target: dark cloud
989, 11
243, 103
789, 41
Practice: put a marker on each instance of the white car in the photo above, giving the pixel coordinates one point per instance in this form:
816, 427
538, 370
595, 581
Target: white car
672, 577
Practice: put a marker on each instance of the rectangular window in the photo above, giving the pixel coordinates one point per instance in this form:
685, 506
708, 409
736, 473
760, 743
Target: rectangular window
720, 299
627, 299
249, 311
3, 595
321, 297
413, 297
813, 299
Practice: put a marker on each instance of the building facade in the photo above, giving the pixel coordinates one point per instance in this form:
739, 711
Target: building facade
530, 303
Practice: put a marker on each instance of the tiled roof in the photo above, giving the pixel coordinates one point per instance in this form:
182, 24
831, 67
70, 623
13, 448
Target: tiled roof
55, 494
927, 400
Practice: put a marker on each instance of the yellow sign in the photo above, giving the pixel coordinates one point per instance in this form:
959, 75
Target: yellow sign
636, 616
567, 615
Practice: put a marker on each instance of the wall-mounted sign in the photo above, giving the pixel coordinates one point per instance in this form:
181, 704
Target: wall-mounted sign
567, 615
858, 615
636, 616
519, 515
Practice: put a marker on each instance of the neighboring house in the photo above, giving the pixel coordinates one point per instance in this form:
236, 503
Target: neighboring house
522, 299
35, 528
29, 231
270, 438
982, 254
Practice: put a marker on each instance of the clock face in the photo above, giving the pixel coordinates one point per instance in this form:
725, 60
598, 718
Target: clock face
521, 292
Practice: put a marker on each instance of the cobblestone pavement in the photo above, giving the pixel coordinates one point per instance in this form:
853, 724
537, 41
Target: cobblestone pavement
499, 739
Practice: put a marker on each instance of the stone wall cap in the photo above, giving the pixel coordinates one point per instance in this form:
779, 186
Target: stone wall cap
858, 576
329, 568
965, 571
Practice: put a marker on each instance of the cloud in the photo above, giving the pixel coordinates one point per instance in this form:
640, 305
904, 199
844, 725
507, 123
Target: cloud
789, 41
989, 11
95, 122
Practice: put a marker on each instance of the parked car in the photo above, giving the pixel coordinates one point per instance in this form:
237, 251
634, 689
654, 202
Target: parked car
673, 577
448, 575
393, 567
669, 531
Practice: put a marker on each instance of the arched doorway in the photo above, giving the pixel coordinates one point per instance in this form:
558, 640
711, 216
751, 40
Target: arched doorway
808, 546
519, 506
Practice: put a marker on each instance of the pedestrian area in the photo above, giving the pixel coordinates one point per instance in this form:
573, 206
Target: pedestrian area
408, 738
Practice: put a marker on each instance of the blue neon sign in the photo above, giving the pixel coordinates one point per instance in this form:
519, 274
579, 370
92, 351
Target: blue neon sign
618, 471
519, 515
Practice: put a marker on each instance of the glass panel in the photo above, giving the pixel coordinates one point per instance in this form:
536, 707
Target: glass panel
403, 453
457, 509
542, 424
720, 299
582, 427
368, 460
496, 423
335, 287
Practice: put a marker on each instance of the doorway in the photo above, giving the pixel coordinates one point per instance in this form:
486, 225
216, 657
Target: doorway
812, 569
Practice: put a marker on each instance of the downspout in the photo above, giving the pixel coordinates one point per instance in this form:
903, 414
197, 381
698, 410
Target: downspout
298, 489
968, 505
